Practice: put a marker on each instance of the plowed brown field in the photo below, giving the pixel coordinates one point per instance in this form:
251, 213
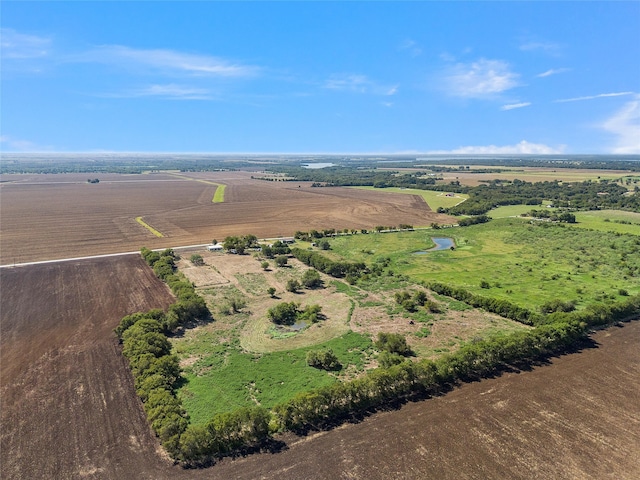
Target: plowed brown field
69, 409
48, 217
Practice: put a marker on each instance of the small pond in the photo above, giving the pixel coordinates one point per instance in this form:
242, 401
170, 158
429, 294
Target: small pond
442, 243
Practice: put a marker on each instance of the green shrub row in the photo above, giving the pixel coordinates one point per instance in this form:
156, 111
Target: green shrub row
189, 306
155, 371
501, 307
328, 266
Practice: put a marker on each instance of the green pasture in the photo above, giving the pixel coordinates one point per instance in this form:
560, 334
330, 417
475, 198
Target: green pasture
511, 210
225, 378
609, 221
528, 264
434, 199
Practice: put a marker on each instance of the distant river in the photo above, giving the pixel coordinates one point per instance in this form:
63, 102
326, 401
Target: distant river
318, 165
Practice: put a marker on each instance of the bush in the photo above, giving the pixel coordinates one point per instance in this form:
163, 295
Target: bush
293, 285
284, 313
281, 260
323, 359
311, 279
197, 259
393, 343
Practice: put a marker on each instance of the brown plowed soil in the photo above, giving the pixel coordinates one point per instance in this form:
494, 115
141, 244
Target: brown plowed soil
48, 217
69, 409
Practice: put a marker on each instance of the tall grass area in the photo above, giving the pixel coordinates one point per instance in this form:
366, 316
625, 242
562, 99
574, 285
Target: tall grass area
224, 378
513, 259
434, 199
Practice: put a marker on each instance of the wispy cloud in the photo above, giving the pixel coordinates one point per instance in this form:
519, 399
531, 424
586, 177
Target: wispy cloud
592, 97
481, 79
513, 106
169, 61
552, 71
522, 148
625, 125
170, 92
541, 46
19, 145
412, 47
359, 84
17, 45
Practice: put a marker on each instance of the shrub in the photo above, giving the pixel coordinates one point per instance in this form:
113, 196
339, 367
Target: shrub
284, 313
197, 259
393, 343
323, 359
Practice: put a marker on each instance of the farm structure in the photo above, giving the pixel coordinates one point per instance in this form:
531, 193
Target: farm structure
80, 219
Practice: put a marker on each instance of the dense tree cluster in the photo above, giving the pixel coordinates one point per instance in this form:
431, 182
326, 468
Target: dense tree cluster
276, 249
577, 196
240, 244
288, 313
328, 266
465, 222
504, 308
189, 306
553, 215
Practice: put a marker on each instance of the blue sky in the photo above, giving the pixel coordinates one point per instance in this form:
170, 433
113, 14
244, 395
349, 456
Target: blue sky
322, 77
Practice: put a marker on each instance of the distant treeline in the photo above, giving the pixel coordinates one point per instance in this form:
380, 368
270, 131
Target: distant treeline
576, 196
143, 162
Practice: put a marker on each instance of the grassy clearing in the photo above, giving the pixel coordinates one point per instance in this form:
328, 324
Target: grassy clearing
610, 221
433, 199
226, 378
149, 227
525, 263
511, 210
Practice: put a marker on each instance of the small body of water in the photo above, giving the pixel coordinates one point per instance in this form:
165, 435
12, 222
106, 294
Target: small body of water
298, 326
318, 165
442, 243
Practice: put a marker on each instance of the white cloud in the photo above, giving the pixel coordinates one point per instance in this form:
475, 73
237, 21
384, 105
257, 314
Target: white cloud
167, 60
481, 79
14, 144
412, 47
552, 71
515, 105
536, 46
170, 91
358, 84
21, 46
592, 97
625, 125
522, 148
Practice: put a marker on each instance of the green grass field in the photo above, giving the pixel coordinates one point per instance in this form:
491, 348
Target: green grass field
433, 199
526, 263
510, 210
225, 378
610, 221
